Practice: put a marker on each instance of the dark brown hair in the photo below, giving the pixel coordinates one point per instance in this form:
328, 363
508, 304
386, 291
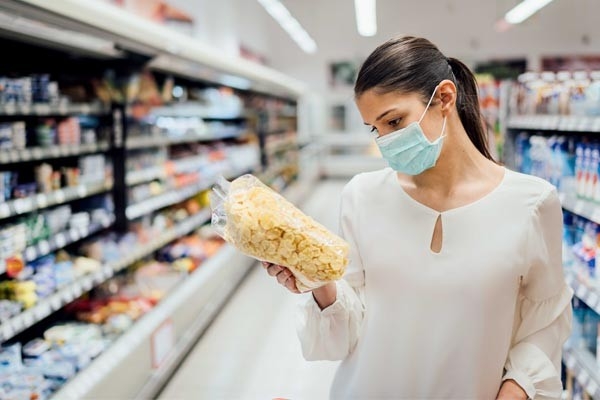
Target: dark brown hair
411, 64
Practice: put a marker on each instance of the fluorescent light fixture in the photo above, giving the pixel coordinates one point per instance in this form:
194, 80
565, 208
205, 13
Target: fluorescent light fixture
524, 10
289, 24
366, 17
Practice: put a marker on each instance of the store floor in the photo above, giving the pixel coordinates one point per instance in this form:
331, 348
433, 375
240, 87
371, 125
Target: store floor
251, 350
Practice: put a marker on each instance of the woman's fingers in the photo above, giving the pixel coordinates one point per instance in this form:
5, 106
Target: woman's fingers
291, 285
283, 276
273, 269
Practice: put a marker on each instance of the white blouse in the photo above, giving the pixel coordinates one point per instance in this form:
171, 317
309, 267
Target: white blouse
410, 323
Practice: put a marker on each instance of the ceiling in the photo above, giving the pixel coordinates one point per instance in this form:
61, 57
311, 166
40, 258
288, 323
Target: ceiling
461, 28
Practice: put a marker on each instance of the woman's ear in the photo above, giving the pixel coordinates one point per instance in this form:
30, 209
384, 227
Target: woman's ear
447, 93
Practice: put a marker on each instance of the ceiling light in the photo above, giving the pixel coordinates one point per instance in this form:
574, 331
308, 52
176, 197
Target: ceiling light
366, 17
524, 10
289, 24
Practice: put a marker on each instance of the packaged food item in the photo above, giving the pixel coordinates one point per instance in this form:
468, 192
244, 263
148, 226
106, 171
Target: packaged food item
263, 224
10, 358
35, 348
72, 333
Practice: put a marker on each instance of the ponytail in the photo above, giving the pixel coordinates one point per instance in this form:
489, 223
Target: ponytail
467, 104
412, 64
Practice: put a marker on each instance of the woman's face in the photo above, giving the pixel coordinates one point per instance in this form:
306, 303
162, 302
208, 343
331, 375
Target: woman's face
386, 113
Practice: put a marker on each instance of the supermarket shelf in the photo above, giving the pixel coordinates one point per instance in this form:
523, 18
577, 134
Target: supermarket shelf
44, 153
584, 208
587, 294
166, 199
555, 123
145, 175
141, 142
45, 200
67, 294
585, 369
124, 370
198, 299
51, 109
62, 239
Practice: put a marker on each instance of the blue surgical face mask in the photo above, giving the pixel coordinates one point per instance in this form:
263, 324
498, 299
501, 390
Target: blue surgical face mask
408, 150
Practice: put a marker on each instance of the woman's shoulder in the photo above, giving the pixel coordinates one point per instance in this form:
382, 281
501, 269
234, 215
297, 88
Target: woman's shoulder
529, 188
367, 182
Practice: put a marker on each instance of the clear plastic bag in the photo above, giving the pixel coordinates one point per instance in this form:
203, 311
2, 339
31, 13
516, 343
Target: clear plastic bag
263, 224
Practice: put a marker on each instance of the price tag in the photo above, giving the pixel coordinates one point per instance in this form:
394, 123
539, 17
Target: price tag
30, 253
17, 323
87, 283
68, 296
62, 108
82, 191
579, 206
76, 291
44, 247
28, 319
42, 310
581, 291
592, 299
4, 210
61, 240
55, 302
583, 377
7, 330
42, 109
10, 109
59, 196
36, 153
162, 342
41, 200
592, 387
22, 205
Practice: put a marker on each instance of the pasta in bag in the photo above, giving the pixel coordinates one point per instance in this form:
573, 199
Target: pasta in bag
264, 225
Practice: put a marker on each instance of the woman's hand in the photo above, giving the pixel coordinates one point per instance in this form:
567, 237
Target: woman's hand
283, 275
510, 390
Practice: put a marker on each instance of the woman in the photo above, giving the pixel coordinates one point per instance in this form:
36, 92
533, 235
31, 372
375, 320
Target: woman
454, 288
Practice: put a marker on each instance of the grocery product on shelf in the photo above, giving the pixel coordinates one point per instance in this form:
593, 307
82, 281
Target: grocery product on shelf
263, 224
562, 93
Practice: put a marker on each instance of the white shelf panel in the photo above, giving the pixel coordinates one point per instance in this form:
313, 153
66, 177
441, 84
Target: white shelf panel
145, 175
166, 199
581, 207
73, 290
566, 123
125, 353
585, 369
589, 295
141, 142
41, 201
51, 109
44, 153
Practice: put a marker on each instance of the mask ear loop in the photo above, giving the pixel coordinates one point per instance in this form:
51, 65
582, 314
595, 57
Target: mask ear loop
428, 103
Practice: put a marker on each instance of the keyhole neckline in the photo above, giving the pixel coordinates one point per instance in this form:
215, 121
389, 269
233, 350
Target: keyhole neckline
437, 213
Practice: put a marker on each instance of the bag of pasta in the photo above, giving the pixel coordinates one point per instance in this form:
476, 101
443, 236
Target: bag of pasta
264, 225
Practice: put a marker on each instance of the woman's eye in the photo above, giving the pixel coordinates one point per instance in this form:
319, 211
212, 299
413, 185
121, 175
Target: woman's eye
395, 122
373, 130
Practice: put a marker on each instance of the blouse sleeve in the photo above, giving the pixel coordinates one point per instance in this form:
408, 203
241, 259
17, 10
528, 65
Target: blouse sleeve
543, 314
332, 333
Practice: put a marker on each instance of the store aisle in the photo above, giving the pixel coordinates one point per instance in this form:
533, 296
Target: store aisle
251, 351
